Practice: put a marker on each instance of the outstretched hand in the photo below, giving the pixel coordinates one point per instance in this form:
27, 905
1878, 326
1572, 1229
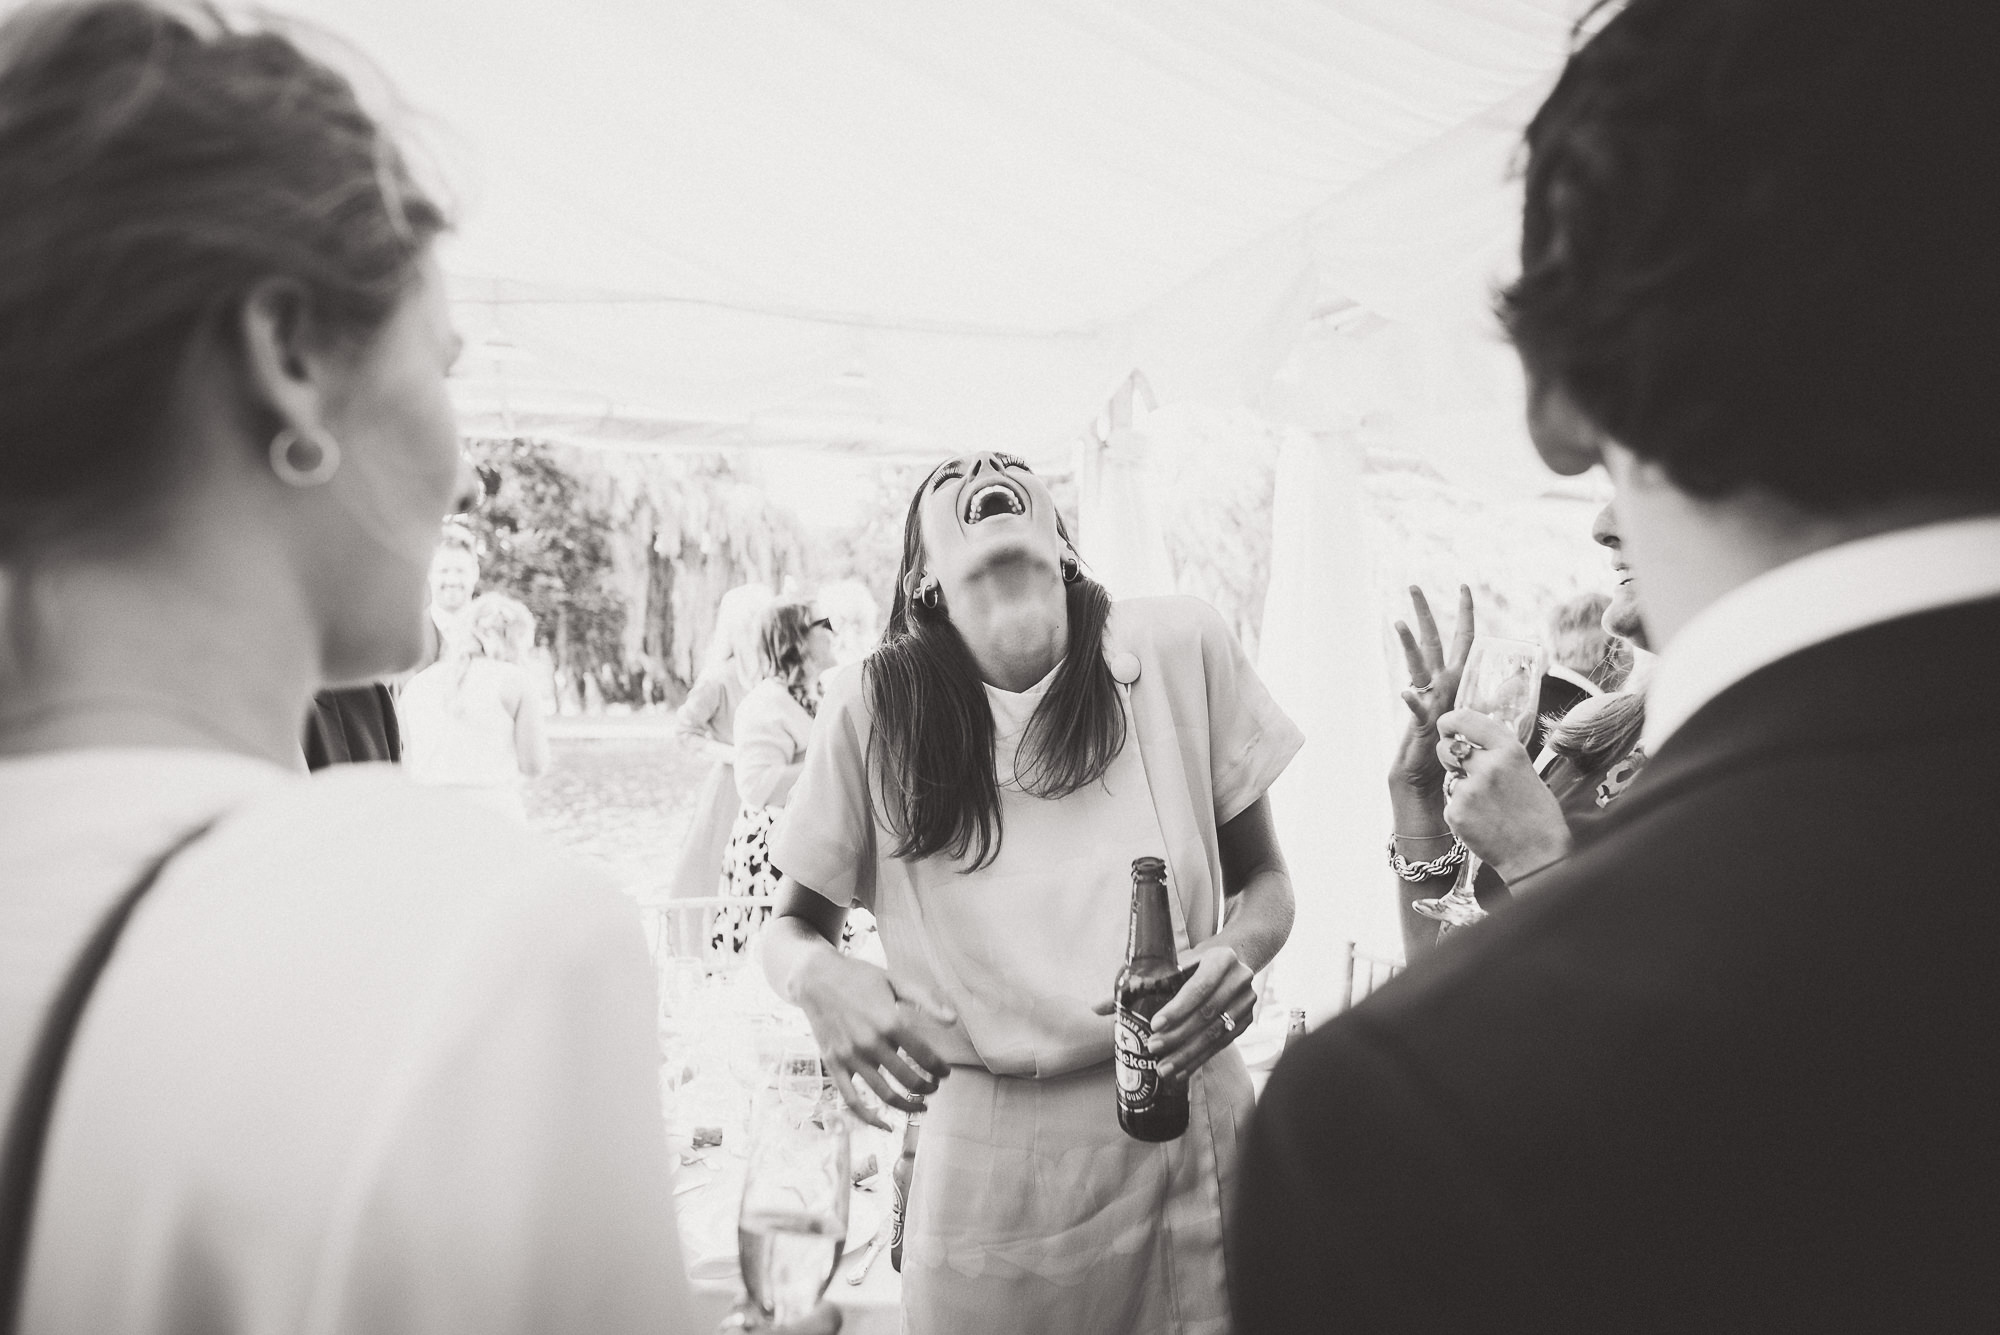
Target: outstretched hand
1434, 672
870, 1034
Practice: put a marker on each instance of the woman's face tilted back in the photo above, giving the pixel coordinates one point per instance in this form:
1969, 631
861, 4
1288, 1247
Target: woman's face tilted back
986, 517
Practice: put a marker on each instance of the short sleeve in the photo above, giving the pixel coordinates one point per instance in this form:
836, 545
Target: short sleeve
1250, 739
825, 836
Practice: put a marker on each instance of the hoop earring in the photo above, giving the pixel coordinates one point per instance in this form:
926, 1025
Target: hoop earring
929, 593
304, 461
1072, 569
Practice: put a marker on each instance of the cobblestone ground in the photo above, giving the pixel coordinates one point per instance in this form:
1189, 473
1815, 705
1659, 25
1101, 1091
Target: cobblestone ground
620, 794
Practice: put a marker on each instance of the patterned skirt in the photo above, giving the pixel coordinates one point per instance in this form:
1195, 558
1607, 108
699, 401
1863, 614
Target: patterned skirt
746, 872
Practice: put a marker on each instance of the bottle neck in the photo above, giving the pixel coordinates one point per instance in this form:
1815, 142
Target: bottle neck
1152, 931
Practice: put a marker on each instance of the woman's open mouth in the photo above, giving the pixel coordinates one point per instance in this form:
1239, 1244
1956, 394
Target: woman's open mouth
994, 498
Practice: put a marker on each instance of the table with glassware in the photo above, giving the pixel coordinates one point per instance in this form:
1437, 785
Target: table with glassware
754, 1130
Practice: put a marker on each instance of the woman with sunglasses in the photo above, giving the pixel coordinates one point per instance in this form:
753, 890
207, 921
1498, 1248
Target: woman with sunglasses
983, 785
795, 645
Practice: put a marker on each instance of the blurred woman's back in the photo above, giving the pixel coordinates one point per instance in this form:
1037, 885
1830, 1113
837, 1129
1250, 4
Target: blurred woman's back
366, 1057
471, 720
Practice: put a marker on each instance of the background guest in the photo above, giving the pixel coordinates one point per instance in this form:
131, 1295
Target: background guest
795, 645
1720, 1069
706, 724
454, 576
472, 719
1516, 811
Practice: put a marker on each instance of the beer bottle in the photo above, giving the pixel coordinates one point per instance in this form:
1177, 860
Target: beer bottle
1296, 1030
1149, 1108
906, 1163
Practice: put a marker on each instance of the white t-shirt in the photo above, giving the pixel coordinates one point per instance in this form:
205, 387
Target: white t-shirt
368, 1058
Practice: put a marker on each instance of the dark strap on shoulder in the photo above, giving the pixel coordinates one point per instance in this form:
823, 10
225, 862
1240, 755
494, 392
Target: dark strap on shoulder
28, 1126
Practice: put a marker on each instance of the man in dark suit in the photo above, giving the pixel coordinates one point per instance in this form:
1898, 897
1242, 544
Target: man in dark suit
1729, 1065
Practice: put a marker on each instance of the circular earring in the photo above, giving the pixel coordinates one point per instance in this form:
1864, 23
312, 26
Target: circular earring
302, 460
1072, 569
922, 590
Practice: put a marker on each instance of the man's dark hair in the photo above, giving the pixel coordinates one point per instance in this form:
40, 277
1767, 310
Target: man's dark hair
1762, 245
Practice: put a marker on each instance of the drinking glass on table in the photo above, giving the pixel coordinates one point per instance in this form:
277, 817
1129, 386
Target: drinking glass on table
793, 1224
1502, 680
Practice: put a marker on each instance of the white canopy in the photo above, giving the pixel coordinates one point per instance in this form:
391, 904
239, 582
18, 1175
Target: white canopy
896, 223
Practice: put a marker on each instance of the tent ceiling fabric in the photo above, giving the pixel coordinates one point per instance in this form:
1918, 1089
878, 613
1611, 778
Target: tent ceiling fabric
902, 219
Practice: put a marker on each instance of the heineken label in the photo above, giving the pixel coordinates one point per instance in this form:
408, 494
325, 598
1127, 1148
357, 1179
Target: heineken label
1138, 1073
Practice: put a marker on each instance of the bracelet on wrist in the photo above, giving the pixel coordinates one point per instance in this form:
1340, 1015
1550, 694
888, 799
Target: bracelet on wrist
1442, 865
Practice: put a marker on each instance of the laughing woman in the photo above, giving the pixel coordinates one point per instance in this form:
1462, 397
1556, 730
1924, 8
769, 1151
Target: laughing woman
983, 784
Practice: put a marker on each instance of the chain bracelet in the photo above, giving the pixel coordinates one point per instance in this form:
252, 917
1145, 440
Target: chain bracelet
1442, 865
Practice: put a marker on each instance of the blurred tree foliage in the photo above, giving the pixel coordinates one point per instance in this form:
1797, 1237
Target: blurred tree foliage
544, 540
623, 557
869, 546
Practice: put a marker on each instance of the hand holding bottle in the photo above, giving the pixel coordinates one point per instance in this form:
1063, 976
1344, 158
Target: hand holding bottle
1216, 1002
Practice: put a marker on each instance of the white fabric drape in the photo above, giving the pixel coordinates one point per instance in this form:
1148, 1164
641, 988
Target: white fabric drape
1119, 510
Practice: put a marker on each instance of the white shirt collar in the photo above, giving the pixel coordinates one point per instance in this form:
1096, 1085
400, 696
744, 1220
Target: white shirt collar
1814, 599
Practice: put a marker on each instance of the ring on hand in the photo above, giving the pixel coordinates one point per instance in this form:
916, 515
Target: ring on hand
1423, 685
1228, 1023
1461, 749
1451, 776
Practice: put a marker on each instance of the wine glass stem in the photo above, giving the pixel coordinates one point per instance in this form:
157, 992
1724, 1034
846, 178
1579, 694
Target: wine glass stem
1461, 893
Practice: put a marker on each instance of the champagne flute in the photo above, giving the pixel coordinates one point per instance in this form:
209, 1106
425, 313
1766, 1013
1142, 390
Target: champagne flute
1502, 680
792, 1227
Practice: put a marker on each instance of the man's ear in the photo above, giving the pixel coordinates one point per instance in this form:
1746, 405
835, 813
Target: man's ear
1569, 442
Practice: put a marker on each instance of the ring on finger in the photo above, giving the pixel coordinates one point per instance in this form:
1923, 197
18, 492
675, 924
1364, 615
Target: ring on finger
1451, 778
1228, 1022
1462, 749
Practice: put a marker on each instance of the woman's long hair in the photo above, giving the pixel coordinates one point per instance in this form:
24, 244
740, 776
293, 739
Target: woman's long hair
1605, 733
932, 740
